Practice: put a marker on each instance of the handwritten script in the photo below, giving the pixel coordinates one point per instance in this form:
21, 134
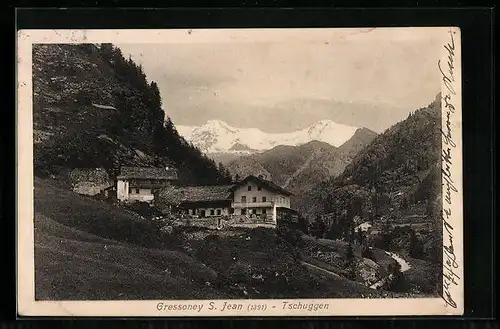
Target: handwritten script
450, 264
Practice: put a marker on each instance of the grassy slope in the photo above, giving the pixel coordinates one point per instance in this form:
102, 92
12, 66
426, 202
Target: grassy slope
74, 264
422, 275
344, 287
94, 216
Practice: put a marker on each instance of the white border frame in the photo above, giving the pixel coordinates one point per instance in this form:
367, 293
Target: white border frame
27, 306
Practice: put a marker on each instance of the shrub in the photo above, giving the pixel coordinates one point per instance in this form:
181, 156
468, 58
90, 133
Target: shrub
366, 252
167, 229
397, 281
143, 208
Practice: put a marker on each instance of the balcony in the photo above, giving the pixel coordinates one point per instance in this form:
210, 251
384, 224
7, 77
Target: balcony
267, 204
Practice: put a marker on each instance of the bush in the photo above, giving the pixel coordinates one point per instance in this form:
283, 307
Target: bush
294, 237
144, 209
397, 281
366, 252
167, 229
351, 268
317, 228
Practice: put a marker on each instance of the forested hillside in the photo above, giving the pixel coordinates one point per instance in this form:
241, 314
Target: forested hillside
394, 184
401, 165
395, 179
94, 108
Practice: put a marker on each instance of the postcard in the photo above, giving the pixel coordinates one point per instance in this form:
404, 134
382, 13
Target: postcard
240, 172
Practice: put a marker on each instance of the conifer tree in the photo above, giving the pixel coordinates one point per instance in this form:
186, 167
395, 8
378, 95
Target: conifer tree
351, 263
106, 51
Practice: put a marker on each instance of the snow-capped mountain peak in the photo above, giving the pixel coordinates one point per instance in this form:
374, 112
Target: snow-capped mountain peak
217, 124
217, 136
331, 132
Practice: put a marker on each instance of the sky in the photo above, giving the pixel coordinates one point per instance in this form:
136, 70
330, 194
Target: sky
285, 80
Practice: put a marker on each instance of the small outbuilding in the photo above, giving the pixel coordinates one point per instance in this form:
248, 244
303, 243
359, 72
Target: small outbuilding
140, 183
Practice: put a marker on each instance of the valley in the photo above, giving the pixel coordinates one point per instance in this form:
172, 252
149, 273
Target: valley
121, 251
367, 205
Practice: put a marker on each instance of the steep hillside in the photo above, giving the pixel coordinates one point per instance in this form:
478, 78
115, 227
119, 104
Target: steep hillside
398, 171
394, 184
94, 108
361, 138
280, 162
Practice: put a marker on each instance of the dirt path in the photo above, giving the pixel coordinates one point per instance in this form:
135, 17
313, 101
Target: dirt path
322, 269
404, 267
403, 263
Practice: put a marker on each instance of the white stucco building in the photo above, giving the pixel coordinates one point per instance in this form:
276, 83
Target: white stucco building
253, 197
140, 183
259, 197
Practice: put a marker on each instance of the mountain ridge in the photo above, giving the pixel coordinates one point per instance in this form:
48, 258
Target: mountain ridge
216, 136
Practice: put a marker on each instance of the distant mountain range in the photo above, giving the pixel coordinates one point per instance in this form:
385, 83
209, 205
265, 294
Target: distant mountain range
216, 136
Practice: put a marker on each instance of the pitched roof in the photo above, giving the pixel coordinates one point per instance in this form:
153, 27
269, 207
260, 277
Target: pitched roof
196, 193
147, 173
270, 185
89, 175
206, 193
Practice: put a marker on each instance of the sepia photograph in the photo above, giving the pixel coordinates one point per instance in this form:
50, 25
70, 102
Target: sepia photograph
244, 172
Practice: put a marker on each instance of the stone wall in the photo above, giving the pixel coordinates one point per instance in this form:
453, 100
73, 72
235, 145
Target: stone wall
89, 181
223, 221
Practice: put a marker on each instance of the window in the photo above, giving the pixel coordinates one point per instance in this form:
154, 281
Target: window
264, 211
218, 212
243, 199
254, 199
243, 211
259, 188
137, 190
264, 199
249, 187
212, 212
